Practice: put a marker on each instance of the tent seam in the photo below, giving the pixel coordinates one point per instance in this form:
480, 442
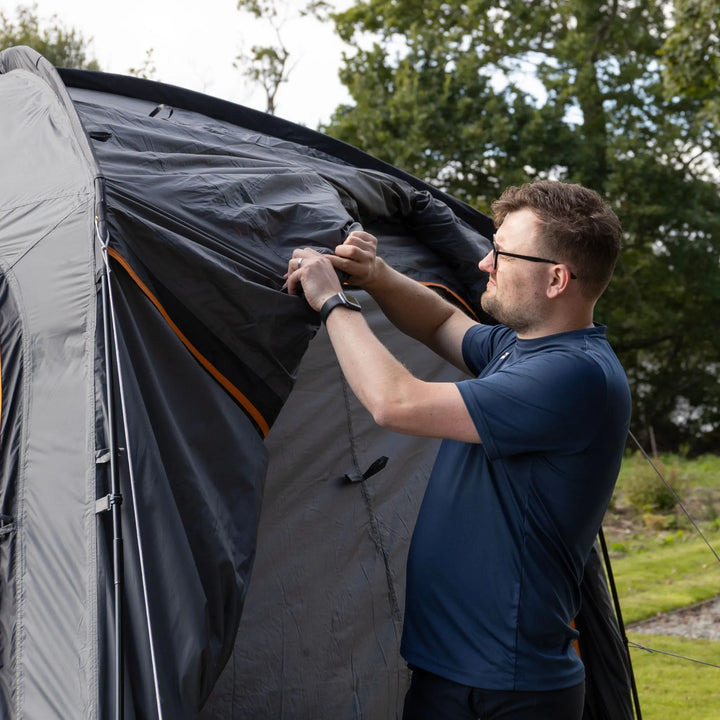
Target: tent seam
50, 230
232, 389
45, 198
375, 533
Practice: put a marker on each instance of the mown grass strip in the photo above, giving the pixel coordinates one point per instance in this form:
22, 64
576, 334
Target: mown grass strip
671, 687
660, 563
700, 471
672, 575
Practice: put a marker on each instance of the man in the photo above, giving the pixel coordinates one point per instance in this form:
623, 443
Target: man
532, 447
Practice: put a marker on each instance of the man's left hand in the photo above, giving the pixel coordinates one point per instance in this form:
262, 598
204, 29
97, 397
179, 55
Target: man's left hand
312, 274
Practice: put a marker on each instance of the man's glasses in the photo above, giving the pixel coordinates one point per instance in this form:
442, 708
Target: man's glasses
531, 258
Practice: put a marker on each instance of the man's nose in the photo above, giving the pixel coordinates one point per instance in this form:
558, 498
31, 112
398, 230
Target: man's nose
486, 264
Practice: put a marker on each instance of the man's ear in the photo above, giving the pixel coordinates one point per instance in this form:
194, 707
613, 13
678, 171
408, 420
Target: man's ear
559, 280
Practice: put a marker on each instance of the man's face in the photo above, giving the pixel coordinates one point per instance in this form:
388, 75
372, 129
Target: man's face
515, 294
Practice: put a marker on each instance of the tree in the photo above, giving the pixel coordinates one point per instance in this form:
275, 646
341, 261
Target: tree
147, 69
692, 54
475, 95
269, 65
62, 47
427, 99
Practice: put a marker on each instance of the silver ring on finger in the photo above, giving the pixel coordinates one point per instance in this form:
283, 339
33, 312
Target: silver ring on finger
299, 262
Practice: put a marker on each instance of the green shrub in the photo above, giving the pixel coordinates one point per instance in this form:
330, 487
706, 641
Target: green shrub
644, 490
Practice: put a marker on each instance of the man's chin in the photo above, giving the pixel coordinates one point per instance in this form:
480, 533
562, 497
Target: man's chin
489, 306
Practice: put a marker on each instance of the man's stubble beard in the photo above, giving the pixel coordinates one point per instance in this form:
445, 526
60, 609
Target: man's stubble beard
520, 320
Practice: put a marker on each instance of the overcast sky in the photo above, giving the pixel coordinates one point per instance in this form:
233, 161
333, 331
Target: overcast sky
195, 43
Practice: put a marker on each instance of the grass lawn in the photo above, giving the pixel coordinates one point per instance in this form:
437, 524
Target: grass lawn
661, 563
659, 560
701, 471
671, 688
670, 572
663, 576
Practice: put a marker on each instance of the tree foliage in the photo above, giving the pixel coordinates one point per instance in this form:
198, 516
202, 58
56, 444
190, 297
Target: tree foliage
61, 46
146, 69
692, 54
475, 95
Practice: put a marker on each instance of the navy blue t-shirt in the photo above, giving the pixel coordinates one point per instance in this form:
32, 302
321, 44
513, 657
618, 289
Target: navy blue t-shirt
506, 526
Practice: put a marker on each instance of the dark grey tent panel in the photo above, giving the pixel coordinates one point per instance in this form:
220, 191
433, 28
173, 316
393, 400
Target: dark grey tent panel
321, 626
603, 649
164, 396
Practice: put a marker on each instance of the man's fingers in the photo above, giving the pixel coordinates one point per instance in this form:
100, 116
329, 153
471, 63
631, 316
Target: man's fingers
360, 238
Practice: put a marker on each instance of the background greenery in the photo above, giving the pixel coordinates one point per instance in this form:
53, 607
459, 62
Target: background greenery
61, 46
670, 688
660, 563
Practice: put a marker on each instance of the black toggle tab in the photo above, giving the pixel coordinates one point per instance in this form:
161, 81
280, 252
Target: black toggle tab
374, 468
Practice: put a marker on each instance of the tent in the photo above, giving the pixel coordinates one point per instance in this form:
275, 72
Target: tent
197, 518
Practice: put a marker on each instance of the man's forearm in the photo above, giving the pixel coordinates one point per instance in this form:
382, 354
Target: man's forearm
396, 399
413, 308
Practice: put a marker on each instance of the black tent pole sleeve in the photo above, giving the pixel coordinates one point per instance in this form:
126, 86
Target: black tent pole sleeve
116, 497
621, 624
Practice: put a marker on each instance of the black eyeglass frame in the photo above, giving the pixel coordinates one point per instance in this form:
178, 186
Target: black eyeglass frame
531, 258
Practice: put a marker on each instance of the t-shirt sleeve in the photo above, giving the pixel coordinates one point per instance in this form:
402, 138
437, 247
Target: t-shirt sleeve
551, 403
482, 342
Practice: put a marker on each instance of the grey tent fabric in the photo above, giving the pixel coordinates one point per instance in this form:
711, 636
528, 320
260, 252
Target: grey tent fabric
321, 626
49, 584
146, 342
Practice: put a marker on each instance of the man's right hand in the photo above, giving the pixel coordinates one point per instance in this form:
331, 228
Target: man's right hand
357, 257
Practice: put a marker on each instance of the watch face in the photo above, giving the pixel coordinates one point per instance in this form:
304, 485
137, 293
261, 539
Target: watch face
350, 301
337, 300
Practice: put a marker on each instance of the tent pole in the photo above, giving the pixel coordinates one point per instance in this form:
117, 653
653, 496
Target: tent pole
621, 624
111, 327
115, 498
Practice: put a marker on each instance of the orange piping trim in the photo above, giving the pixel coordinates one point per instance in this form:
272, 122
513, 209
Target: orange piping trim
454, 294
576, 644
232, 389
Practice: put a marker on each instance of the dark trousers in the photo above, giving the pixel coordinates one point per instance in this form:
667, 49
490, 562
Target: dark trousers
431, 697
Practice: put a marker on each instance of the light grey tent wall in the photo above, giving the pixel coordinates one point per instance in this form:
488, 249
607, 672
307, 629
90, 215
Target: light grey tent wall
49, 651
320, 632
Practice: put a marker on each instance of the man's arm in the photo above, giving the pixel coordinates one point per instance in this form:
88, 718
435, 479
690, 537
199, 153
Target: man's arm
396, 399
414, 309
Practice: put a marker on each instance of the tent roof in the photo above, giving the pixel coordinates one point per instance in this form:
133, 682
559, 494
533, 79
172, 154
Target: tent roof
171, 96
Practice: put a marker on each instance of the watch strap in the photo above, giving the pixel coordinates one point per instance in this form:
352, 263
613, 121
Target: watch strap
335, 301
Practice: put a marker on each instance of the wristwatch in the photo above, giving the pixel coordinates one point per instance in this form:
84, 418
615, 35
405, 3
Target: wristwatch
340, 298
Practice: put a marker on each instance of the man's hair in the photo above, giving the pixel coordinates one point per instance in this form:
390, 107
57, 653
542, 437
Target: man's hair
575, 226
